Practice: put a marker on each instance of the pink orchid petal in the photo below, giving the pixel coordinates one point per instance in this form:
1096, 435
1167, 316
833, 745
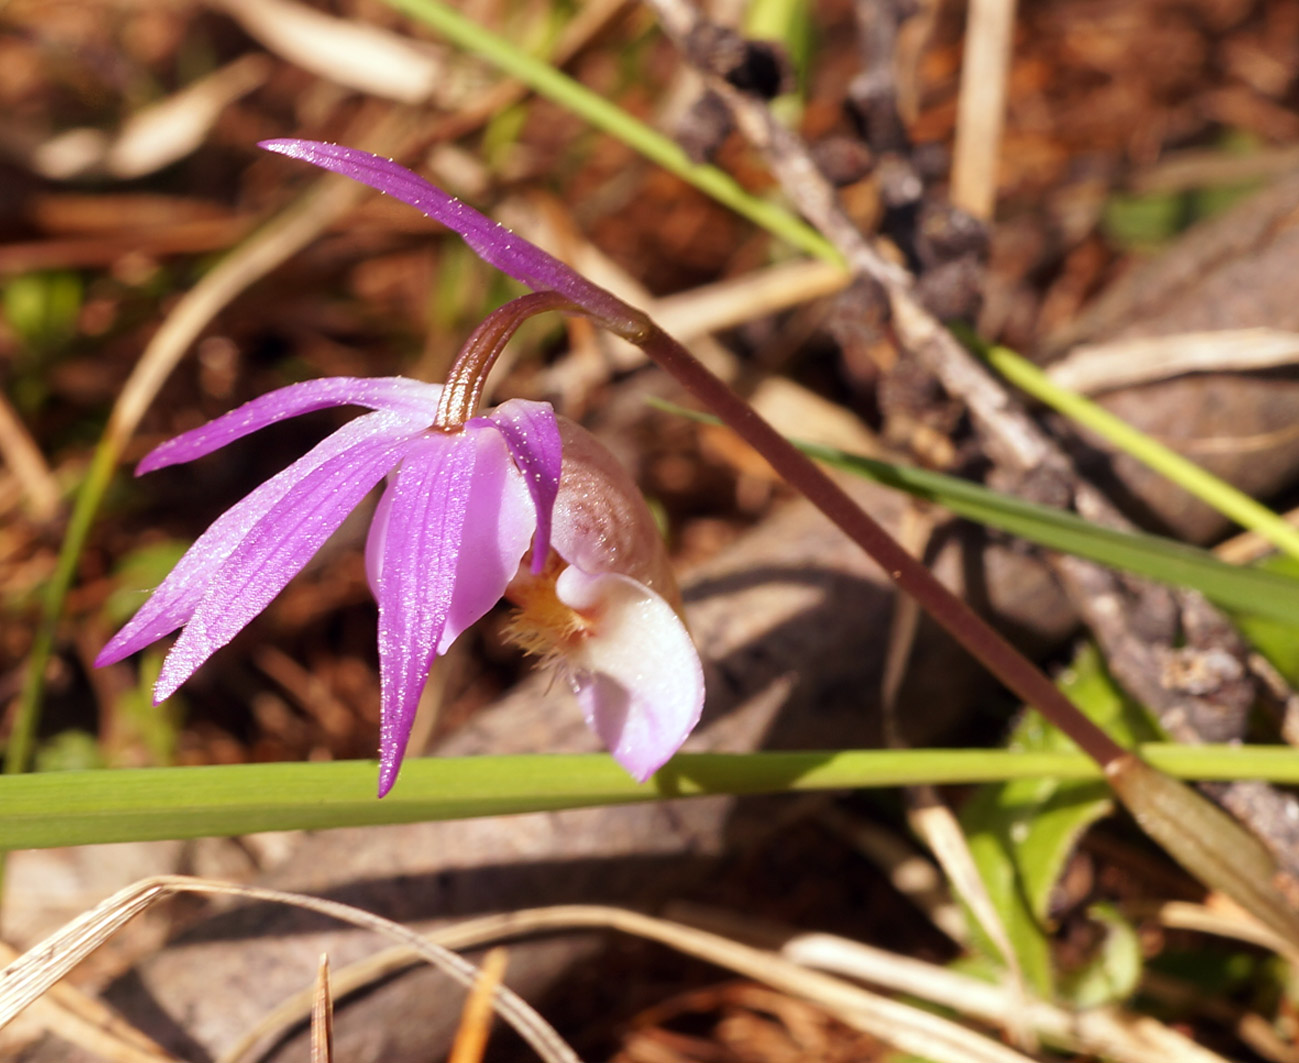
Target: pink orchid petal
280, 544
377, 539
531, 431
500, 521
497, 517
393, 394
636, 674
413, 560
174, 601
493, 243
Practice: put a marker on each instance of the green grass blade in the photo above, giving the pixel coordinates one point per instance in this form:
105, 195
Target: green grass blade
139, 804
18, 750
1247, 590
558, 87
1199, 482
1253, 591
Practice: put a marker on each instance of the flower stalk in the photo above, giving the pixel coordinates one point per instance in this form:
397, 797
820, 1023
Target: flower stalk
463, 391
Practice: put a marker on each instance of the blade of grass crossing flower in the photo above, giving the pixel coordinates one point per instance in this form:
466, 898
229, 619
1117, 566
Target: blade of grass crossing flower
612, 119
1192, 478
1271, 593
87, 807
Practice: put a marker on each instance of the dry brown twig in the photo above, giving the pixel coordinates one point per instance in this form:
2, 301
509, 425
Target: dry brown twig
985, 72
18, 450
322, 1016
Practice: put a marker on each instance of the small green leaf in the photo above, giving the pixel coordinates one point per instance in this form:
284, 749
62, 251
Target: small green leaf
1112, 972
1022, 832
1145, 222
43, 307
157, 726
69, 751
1274, 638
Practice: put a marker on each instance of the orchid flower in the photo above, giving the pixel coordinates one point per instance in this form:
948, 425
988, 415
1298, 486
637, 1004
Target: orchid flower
516, 502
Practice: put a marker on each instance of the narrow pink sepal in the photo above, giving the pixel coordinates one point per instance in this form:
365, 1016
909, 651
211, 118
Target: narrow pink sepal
636, 674
394, 394
414, 576
279, 545
493, 243
174, 601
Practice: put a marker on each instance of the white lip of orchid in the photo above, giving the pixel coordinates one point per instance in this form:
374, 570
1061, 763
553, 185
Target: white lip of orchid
624, 651
605, 610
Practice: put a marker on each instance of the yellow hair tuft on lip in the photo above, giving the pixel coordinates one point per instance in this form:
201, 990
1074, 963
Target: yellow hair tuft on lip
544, 626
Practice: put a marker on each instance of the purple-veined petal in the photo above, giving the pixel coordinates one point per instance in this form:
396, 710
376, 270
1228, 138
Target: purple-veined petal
636, 673
174, 601
532, 434
280, 544
393, 394
493, 243
499, 523
376, 539
413, 558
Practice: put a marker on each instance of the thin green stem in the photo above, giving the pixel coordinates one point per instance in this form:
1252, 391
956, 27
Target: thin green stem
601, 113
22, 737
88, 807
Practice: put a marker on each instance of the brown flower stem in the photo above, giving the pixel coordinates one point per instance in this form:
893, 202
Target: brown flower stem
1019, 674
464, 385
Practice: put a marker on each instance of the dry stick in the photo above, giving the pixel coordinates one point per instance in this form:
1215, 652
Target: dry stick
1200, 836
1102, 1031
40, 967
19, 451
981, 106
322, 1017
476, 1016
